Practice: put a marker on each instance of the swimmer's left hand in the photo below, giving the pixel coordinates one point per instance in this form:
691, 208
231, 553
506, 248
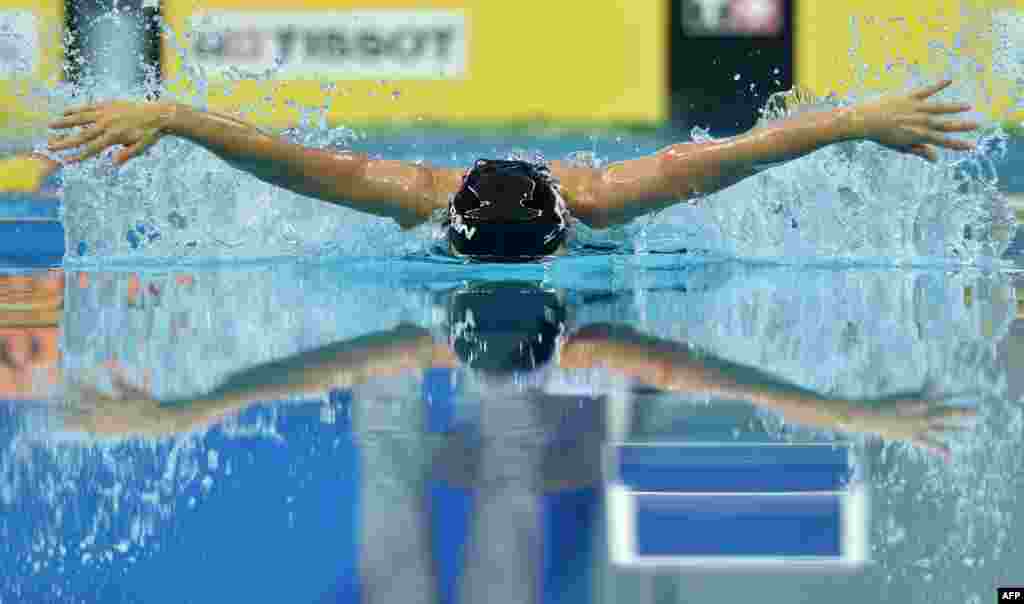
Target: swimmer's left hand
910, 123
134, 126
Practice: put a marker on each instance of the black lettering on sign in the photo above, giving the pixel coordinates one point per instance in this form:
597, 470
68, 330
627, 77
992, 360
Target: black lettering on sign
444, 39
209, 44
244, 44
286, 42
316, 44
407, 44
338, 45
371, 45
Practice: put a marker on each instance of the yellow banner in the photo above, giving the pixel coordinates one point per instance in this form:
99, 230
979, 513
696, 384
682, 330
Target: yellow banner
875, 45
30, 56
470, 61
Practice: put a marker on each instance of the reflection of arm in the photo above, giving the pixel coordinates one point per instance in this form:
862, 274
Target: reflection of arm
675, 367
340, 365
336, 366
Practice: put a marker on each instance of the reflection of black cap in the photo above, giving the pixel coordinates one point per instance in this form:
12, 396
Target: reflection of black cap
507, 211
505, 327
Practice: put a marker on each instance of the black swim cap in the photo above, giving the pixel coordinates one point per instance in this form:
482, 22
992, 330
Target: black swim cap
505, 327
507, 211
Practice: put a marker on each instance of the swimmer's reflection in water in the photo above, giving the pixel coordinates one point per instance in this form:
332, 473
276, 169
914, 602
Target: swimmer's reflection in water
512, 211
526, 454
514, 339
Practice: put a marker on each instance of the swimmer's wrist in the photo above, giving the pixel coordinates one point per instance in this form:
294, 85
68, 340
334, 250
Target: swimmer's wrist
852, 124
168, 118
842, 413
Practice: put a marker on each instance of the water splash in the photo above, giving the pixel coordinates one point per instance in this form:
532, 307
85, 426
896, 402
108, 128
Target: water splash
853, 202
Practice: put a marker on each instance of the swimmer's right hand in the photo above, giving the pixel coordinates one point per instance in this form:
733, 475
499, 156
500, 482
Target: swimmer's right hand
134, 126
920, 420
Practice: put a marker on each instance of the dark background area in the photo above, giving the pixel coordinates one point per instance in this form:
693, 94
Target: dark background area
702, 74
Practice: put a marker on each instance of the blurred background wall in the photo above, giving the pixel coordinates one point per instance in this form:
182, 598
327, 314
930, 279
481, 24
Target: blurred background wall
30, 56
709, 63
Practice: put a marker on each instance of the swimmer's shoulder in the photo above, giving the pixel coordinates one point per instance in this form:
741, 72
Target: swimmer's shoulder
445, 182
434, 187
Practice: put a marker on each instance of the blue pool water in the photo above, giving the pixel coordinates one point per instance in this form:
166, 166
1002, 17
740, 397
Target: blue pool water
359, 420
322, 439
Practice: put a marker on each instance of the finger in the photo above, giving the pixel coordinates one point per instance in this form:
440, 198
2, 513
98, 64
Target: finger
945, 141
923, 151
911, 407
945, 107
138, 392
926, 152
94, 148
951, 415
101, 105
126, 390
67, 142
927, 91
77, 119
930, 122
91, 397
956, 125
947, 431
82, 108
136, 149
934, 446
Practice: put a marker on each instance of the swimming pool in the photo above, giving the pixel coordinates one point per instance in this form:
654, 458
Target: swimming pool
805, 388
350, 430
707, 402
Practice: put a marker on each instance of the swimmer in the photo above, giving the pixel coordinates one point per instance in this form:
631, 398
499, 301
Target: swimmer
513, 210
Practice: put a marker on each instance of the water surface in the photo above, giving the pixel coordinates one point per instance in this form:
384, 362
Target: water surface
408, 431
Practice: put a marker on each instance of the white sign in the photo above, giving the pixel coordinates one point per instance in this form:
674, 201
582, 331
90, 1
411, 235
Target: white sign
19, 44
732, 17
337, 45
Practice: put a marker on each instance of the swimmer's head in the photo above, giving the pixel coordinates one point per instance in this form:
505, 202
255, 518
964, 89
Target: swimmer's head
503, 328
507, 211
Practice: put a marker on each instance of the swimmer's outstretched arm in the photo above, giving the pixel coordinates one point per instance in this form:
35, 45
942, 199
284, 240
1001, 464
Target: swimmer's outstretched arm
405, 192
673, 366
907, 122
133, 411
